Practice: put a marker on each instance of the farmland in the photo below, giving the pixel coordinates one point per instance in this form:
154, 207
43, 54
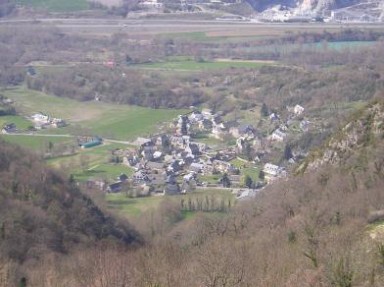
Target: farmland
56, 5
20, 122
36, 143
115, 121
137, 206
192, 65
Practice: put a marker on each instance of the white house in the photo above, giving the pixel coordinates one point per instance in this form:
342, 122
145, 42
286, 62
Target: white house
272, 171
298, 110
278, 135
40, 118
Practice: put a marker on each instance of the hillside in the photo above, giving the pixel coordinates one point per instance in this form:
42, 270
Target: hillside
364, 131
43, 212
333, 10
320, 228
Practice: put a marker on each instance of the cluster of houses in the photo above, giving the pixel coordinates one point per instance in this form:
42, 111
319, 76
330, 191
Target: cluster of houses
43, 121
212, 123
175, 163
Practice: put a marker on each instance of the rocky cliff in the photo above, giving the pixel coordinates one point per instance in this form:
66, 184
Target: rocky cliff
365, 131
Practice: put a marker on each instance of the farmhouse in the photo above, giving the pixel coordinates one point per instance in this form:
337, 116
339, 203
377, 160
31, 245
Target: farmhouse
298, 110
114, 187
9, 128
272, 171
40, 118
58, 123
278, 135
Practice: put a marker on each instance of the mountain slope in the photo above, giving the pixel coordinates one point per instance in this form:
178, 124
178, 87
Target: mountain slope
319, 5
41, 211
364, 131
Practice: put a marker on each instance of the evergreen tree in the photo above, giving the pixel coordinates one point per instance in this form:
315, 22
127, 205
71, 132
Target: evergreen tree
264, 110
261, 175
287, 152
225, 181
248, 181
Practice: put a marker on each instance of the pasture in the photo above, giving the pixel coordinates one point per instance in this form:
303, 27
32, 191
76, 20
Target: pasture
108, 171
56, 5
134, 207
121, 122
36, 143
20, 122
192, 65
91, 162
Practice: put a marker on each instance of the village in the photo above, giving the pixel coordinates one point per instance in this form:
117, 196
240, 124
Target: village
176, 161
199, 150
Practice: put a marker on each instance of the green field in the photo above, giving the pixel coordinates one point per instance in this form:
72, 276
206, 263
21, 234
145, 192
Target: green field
109, 120
253, 172
316, 47
36, 143
192, 65
56, 5
136, 206
104, 170
133, 206
20, 122
92, 163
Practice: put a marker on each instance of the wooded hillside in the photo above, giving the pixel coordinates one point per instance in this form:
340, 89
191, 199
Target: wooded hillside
42, 211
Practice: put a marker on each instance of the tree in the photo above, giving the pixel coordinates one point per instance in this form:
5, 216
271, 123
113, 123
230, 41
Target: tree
225, 181
128, 60
23, 282
248, 181
287, 152
261, 175
264, 110
184, 125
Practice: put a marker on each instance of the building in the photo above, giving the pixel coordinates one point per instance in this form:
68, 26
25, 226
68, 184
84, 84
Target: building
298, 110
9, 128
92, 142
278, 135
272, 171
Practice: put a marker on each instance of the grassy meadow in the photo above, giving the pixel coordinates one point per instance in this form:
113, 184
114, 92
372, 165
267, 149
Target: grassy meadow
36, 143
129, 207
20, 122
92, 162
56, 5
190, 65
121, 122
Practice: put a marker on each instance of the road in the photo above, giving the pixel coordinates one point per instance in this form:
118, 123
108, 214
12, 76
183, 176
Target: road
121, 23
69, 136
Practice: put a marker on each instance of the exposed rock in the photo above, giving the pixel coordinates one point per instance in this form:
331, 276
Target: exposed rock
366, 127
